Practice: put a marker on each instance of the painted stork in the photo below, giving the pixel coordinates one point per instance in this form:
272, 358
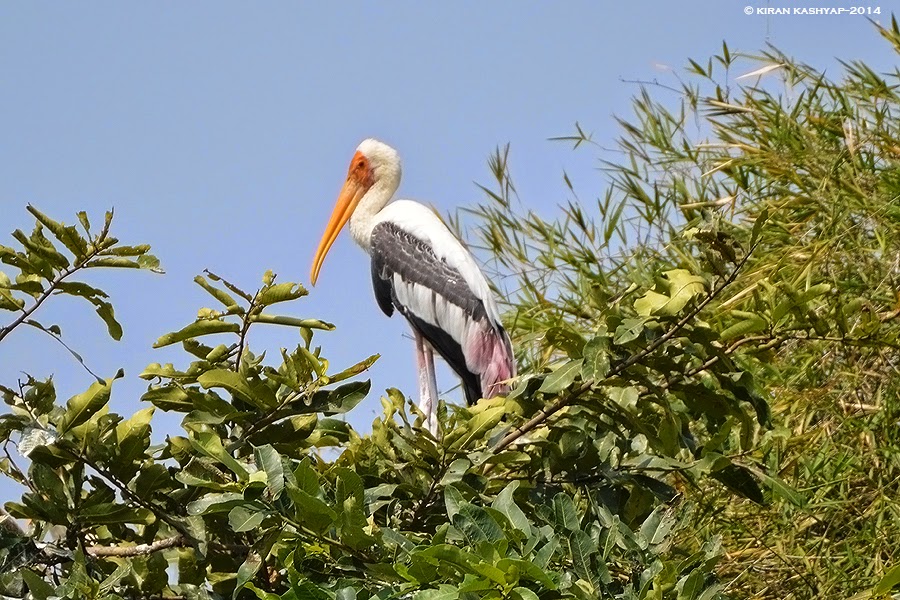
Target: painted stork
420, 269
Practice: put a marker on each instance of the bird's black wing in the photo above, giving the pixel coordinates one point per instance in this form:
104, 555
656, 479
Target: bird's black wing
432, 295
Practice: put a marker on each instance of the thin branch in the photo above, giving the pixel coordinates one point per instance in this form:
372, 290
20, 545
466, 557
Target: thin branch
417, 512
17, 474
549, 411
98, 247
245, 328
66, 346
128, 494
176, 541
40, 300
265, 420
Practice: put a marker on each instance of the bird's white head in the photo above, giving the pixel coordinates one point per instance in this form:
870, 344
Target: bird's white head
372, 179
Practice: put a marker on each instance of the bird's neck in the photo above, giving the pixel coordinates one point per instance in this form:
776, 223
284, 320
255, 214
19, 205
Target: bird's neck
365, 217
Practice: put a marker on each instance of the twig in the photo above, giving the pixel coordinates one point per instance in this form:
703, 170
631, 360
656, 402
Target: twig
245, 328
428, 497
770, 342
66, 346
176, 541
265, 420
549, 411
40, 300
127, 493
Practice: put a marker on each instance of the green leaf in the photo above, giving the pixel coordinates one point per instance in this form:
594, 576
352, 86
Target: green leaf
443, 592
526, 570
888, 582
506, 504
581, 549
783, 490
564, 512
167, 397
312, 511
221, 295
114, 578
280, 292
744, 327
196, 329
81, 407
41, 250
116, 262
682, 286
596, 359
134, 438
247, 571
107, 513
68, 235
78, 288
758, 225
356, 369
105, 311
476, 427
657, 525
235, 384
453, 499
525, 594
37, 586
209, 443
650, 303
202, 472
477, 525
262, 594
215, 503
230, 286
151, 478
566, 340
268, 459
628, 331
291, 321
343, 398
739, 479
350, 499
243, 519
562, 377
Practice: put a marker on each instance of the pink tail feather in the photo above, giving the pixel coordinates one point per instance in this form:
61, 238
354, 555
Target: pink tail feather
489, 354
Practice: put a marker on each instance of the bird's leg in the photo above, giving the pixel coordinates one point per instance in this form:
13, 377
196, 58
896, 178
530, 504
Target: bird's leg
427, 383
431, 382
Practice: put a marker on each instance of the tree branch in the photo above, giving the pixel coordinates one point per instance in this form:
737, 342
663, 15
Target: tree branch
176, 541
129, 495
40, 300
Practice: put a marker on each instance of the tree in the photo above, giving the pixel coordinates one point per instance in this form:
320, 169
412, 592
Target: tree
653, 327
243, 504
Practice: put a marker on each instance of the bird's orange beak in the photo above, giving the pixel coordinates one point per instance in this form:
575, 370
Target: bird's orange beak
357, 184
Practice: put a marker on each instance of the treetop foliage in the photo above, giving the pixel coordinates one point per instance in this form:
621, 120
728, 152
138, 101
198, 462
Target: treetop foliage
686, 342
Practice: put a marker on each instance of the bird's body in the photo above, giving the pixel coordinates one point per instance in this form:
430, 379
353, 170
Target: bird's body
420, 269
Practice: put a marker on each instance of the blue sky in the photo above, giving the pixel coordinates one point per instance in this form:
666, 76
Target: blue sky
221, 133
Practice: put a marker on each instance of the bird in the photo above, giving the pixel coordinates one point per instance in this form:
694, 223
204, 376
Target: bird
421, 270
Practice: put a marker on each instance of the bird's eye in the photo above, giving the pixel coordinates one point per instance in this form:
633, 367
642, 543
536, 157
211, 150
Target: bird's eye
361, 164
